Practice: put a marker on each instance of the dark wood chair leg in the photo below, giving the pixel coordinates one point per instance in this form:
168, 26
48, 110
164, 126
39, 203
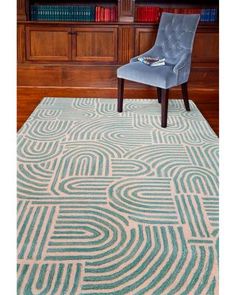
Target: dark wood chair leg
120, 95
159, 94
184, 87
164, 107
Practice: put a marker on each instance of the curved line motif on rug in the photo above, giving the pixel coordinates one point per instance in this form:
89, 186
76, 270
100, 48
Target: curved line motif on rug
111, 203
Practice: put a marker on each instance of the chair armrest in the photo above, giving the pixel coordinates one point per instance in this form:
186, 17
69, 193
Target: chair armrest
185, 60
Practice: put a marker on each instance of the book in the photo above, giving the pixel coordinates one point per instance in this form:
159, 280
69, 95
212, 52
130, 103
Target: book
152, 61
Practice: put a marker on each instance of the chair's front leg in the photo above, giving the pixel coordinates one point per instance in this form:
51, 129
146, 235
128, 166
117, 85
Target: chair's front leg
120, 95
164, 107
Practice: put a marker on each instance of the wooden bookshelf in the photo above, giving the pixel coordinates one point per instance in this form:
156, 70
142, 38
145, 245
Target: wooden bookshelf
81, 58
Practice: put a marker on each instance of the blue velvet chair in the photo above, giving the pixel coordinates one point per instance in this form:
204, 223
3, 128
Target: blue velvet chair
174, 42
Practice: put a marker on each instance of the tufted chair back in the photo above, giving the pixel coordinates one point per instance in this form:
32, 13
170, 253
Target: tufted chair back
175, 35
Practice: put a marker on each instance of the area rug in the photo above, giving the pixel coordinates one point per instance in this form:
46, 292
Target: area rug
112, 203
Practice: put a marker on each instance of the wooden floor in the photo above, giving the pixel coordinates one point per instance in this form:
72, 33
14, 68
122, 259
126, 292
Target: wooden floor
29, 97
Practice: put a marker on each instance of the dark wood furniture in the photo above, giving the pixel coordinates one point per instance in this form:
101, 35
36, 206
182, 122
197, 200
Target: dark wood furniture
80, 59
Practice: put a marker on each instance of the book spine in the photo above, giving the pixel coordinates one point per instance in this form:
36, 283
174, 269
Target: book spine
89, 14
41, 12
76, 11
66, 13
97, 13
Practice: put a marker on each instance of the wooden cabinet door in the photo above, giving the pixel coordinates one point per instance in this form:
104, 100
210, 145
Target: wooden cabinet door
48, 43
206, 47
144, 39
95, 44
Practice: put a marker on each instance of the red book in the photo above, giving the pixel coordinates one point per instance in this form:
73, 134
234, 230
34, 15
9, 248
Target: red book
96, 14
112, 14
102, 14
106, 14
109, 14
148, 14
153, 14
99, 13
115, 13
140, 14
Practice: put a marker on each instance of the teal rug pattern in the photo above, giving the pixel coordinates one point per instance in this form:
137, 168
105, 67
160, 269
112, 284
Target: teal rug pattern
112, 203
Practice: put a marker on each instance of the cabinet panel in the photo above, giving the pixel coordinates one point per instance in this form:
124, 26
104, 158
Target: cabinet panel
48, 43
206, 47
144, 39
95, 44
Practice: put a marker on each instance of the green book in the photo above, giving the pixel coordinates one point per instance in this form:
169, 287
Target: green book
32, 12
79, 13
46, 9
76, 13
41, 12
57, 11
60, 18
65, 11
53, 12
73, 13
50, 12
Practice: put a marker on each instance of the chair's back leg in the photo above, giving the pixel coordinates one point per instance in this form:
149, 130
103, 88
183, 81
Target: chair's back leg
120, 95
159, 94
184, 87
164, 107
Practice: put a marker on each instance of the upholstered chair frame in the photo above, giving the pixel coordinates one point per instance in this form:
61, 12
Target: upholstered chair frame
174, 42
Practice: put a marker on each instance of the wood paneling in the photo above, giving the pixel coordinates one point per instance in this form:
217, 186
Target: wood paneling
95, 44
20, 43
88, 75
126, 44
65, 76
33, 75
206, 47
51, 43
144, 39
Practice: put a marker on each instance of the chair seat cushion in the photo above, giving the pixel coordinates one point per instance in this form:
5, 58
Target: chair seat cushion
161, 76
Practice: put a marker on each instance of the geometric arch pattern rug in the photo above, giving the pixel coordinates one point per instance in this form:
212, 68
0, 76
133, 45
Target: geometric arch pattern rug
112, 203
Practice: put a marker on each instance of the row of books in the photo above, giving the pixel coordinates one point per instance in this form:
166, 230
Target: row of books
73, 13
209, 15
109, 13
153, 13
148, 14
106, 14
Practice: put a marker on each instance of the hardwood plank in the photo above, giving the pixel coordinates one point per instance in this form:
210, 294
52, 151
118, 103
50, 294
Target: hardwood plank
29, 97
